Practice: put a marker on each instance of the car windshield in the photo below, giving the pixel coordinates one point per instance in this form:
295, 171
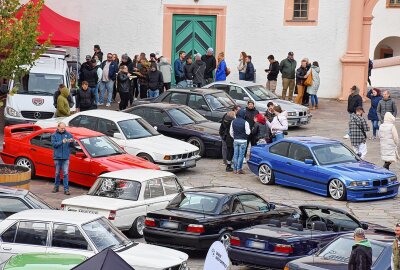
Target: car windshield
116, 188
104, 235
38, 84
101, 146
259, 93
339, 220
333, 154
194, 202
340, 250
219, 100
137, 128
37, 202
185, 116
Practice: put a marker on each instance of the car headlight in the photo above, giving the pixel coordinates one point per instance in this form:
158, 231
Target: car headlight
292, 114
359, 183
392, 179
12, 112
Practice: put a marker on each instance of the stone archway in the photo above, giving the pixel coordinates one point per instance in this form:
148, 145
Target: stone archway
355, 61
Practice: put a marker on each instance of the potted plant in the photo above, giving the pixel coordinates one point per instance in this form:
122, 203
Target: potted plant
15, 176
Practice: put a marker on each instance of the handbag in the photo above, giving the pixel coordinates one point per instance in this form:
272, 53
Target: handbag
227, 71
309, 80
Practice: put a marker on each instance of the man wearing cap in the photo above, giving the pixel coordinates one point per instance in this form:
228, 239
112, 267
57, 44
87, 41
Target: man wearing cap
288, 69
358, 132
396, 249
211, 65
353, 101
86, 65
361, 253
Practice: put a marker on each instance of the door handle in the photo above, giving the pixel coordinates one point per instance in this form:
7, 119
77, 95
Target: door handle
289, 163
7, 248
33, 149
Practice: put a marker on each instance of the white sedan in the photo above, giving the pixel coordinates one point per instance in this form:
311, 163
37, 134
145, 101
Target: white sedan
135, 135
53, 231
125, 197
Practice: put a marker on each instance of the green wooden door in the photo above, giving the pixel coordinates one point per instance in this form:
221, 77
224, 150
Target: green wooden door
192, 34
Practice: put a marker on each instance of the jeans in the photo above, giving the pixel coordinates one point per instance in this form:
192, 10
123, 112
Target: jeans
375, 127
242, 76
153, 93
93, 90
96, 93
278, 137
106, 86
224, 150
239, 149
61, 164
314, 100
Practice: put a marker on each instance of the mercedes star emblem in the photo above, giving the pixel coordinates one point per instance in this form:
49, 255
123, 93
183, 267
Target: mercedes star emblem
37, 115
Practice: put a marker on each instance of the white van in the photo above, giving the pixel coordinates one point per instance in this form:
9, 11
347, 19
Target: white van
33, 99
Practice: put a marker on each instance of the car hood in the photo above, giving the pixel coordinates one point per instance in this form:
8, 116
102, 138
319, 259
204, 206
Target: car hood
360, 171
285, 105
125, 161
212, 128
98, 202
145, 256
163, 145
317, 263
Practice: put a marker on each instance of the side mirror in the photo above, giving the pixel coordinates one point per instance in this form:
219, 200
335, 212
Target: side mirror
364, 226
246, 98
309, 161
168, 123
205, 107
272, 206
80, 155
117, 135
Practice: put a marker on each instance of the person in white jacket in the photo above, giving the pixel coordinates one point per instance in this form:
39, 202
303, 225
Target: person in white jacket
389, 140
279, 124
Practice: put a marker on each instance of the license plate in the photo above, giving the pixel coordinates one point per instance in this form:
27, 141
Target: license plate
169, 225
382, 190
303, 119
254, 244
190, 163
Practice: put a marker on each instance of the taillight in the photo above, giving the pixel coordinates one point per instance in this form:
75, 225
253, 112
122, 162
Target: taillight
234, 241
62, 207
287, 249
194, 228
150, 222
112, 215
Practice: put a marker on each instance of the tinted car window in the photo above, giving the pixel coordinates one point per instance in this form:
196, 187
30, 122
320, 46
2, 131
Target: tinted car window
221, 87
253, 203
334, 153
299, 152
153, 116
178, 98
237, 206
167, 98
75, 122
194, 202
116, 188
32, 233
9, 206
9, 235
219, 100
43, 140
237, 92
137, 128
88, 122
107, 127
280, 149
259, 93
68, 236
180, 117
196, 101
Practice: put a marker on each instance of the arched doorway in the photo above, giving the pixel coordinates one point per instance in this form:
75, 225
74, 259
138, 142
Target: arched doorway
388, 47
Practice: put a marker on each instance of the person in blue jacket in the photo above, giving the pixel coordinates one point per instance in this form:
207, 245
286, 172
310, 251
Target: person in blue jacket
220, 74
375, 96
61, 140
178, 67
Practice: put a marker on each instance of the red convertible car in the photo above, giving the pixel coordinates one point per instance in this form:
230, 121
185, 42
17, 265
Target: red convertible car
92, 154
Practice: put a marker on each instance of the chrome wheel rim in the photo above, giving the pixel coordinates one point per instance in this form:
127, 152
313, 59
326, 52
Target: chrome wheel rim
336, 189
195, 143
140, 225
265, 174
24, 162
225, 239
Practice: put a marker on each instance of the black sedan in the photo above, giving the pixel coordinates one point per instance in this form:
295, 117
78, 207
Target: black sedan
197, 217
210, 103
335, 256
184, 123
273, 244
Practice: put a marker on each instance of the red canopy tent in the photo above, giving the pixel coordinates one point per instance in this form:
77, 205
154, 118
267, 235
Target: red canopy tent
63, 31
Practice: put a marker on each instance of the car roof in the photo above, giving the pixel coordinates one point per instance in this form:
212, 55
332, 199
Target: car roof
110, 115
13, 191
311, 140
240, 83
79, 132
202, 91
221, 190
139, 175
49, 65
161, 105
54, 216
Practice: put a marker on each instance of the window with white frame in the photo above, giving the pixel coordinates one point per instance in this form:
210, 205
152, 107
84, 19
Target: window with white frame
300, 10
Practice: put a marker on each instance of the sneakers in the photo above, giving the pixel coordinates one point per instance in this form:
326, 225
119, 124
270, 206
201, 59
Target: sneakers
100, 104
108, 105
229, 169
55, 190
240, 172
373, 138
347, 136
67, 192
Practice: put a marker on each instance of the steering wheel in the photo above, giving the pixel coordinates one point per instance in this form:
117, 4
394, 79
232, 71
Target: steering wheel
314, 218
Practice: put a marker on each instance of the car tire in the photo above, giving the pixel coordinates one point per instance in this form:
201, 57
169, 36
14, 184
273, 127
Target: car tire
146, 157
337, 190
199, 143
27, 163
136, 231
266, 175
224, 238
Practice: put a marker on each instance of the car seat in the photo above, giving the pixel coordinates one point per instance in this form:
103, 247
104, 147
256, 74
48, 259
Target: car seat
319, 226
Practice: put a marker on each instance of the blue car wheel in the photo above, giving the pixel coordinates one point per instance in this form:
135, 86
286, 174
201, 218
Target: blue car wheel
337, 190
266, 175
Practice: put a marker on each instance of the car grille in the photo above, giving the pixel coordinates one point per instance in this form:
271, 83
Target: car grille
374, 195
185, 156
378, 183
37, 115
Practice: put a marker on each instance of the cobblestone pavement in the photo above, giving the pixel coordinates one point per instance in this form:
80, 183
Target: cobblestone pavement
329, 121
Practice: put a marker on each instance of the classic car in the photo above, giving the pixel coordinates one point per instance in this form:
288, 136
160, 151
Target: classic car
322, 166
184, 123
53, 231
243, 91
335, 256
275, 243
210, 103
125, 197
197, 217
14, 200
42, 261
135, 135
92, 153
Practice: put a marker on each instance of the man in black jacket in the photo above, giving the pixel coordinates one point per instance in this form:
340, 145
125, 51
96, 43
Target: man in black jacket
249, 74
85, 98
123, 84
354, 101
156, 81
273, 72
211, 65
251, 112
90, 76
361, 253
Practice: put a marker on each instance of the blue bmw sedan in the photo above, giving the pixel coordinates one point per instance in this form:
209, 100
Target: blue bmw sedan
322, 166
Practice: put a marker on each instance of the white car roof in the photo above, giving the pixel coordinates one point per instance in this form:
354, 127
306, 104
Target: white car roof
54, 216
239, 82
139, 175
49, 65
109, 114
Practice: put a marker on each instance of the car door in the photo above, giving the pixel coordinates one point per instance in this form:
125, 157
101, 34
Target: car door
85, 121
42, 154
277, 160
24, 237
154, 195
11, 205
237, 217
67, 238
199, 104
80, 168
176, 98
171, 188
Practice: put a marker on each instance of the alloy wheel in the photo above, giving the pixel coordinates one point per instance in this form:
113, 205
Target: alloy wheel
265, 174
336, 189
24, 162
140, 225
